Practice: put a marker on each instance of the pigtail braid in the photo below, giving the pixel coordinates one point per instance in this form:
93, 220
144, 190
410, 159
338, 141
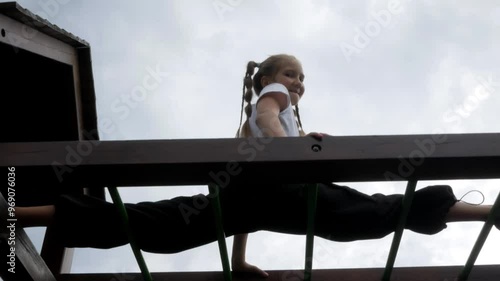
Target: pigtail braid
247, 97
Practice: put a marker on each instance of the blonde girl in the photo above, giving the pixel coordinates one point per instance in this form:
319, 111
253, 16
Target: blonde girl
344, 214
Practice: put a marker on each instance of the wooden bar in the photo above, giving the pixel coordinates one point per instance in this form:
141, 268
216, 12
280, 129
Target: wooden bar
200, 161
27, 265
57, 257
22, 37
438, 273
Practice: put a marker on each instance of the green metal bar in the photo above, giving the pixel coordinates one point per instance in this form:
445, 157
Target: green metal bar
483, 235
407, 200
113, 191
221, 237
312, 194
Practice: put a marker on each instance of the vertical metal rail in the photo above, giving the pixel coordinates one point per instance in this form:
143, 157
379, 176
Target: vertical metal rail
221, 237
483, 235
312, 196
135, 248
407, 200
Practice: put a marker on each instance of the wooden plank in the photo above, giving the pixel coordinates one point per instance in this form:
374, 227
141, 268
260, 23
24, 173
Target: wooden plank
78, 98
439, 273
27, 263
87, 100
57, 257
18, 35
19, 273
200, 161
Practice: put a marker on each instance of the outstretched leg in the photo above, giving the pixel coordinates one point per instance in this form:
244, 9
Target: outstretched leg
345, 214
454, 211
465, 212
35, 216
85, 221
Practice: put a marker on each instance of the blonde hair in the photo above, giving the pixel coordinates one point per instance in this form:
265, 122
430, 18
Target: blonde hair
269, 67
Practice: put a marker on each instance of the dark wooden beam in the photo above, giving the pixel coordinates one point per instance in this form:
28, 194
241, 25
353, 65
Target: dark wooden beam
301, 159
57, 257
27, 263
439, 273
87, 98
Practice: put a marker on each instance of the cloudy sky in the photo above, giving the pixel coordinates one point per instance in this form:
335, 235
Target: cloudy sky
372, 68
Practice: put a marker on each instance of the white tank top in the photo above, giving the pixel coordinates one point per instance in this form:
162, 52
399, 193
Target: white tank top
286, 116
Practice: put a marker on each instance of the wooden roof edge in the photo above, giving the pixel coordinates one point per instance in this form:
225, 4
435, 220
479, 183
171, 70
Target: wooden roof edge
17, 12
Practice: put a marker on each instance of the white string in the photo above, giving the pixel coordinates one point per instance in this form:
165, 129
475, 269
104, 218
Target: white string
482, 195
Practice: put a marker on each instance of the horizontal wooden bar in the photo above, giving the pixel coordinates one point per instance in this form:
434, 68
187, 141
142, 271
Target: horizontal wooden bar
438, 273
298, 159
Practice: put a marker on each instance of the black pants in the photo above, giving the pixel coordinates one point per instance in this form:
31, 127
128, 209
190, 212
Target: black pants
181, 223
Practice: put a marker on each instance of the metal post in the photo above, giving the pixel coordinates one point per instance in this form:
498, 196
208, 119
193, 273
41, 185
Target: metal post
407, 200
221, 237
495, 210
135, 248
312, 194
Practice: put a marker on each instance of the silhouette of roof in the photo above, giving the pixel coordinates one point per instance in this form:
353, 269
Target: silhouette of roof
15, 11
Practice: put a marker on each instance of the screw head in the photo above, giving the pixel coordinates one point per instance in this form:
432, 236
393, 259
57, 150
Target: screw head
316, 148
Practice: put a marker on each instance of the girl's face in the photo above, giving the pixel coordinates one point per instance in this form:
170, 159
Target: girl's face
292, 77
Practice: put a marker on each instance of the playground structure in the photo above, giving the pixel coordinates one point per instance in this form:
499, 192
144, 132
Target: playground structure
55, 148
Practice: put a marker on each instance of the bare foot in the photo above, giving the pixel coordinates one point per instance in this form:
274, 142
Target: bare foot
249, 268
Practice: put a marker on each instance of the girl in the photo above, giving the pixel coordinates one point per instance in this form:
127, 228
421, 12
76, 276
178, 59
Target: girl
343, 214
279, 85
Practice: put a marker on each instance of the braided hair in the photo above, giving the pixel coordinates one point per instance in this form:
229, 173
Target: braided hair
269, 67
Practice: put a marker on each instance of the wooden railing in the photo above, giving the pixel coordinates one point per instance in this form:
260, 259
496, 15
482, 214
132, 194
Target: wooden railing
284, 160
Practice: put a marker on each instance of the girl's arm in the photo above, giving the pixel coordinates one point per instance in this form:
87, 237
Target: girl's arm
268, 109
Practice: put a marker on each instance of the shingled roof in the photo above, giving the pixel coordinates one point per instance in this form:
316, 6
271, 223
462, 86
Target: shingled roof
15, 11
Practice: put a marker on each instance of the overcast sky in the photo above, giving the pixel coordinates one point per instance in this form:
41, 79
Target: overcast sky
372, 68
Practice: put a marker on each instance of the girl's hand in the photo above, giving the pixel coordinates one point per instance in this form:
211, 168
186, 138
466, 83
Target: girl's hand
317, 136
245, 267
